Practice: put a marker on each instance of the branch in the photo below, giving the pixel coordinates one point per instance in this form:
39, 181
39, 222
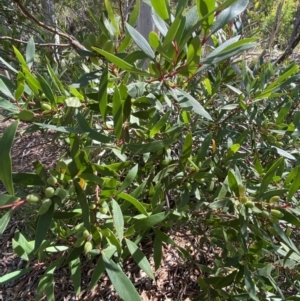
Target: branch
37, 44
73, 42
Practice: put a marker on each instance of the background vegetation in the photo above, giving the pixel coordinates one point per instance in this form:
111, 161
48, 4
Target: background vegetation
202, 138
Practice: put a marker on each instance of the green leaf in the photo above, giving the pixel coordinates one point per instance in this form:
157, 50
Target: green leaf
5, 90
30, 52
164, 172
4, 220
187, 148
270, 174
189, 103
137, 204
140, 41
149, 222
295, 185
159, 125
233, 183
26, 246
157, 247
121, 63
138, 148
84, 205
6, 142
129, 178
118, 220
102, 92
228, 14
121, 283
140, 258
10, 277
117, 111
20, 57
98, 272
76, 275
47, 91
111, 16
43, 225
205, 9
250, 285
6, 199
164, 237
93, 134
285, 238
26, 115
8, 106
161, 7
170, 36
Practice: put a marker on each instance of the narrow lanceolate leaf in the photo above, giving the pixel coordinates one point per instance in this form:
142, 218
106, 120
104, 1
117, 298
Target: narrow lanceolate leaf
102, 93
98, 272
9, 277
206, 7
83, 205
153, 146
30, 52
121, 283
76, 275
140, 41
118, 220
129, 178
295, 185
117, 111
111, 15
47, 91
5, 90
4, 220
157, 248
6, 142
136, 203
229, 13
187, 148
120, 63
140, 258
189, 103
161, 8
250, 285
149, 222
43, 226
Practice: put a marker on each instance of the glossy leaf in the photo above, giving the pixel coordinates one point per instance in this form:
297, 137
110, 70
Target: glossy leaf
6, 142
136, 203
4, 220
117, 111
129, 178
140, 258
118, 220
154, 146
76, 275
30, 52
140, 41
161, 8
43, 225
121, 283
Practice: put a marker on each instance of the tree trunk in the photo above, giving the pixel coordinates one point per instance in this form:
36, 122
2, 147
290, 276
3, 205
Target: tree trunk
145, 24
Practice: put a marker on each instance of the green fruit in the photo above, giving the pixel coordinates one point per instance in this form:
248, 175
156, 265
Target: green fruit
92, 206
49, 192
189, 186
244, 199
33, 198
249, 204
45, 106
52, 181
288, 232
276, 213
274, 199
85, 233
88, 246
103, 210
79, 227
265, 214
46, 203
242, 190
61, 193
